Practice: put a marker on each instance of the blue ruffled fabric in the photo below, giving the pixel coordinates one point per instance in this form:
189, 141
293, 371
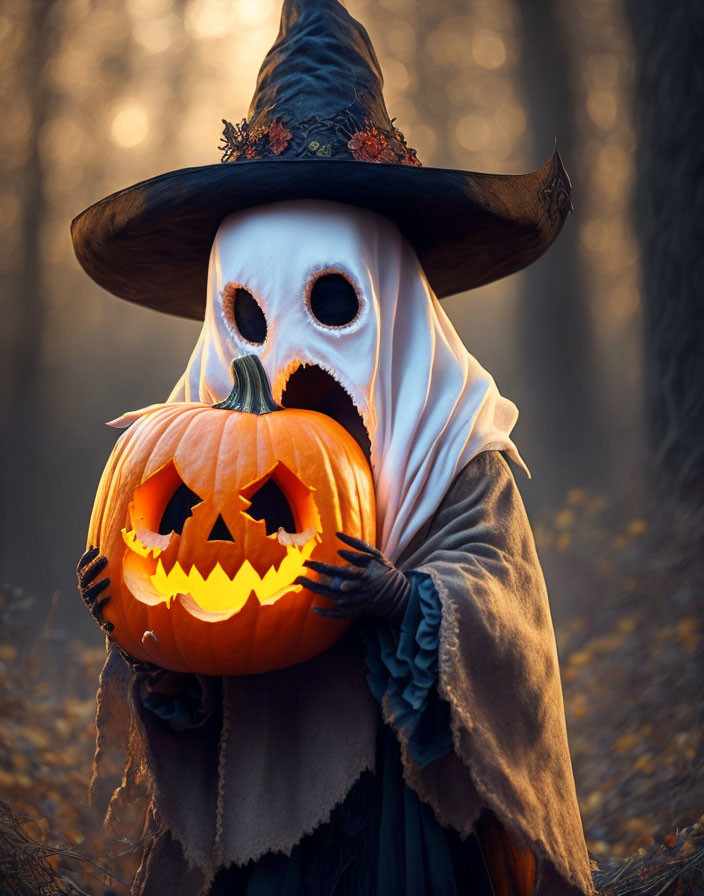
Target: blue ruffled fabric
403, 672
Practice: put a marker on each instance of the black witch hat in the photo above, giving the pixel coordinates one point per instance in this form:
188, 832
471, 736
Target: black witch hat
318, 129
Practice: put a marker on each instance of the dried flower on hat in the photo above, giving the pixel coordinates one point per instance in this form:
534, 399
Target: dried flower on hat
278, 137
371, 145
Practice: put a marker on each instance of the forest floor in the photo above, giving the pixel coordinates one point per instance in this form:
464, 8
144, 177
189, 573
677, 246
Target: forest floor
632, 667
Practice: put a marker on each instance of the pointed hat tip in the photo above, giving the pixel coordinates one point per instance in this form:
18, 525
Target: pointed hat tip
556, 161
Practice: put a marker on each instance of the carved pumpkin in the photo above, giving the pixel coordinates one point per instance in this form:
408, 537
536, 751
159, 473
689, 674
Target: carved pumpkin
207, 514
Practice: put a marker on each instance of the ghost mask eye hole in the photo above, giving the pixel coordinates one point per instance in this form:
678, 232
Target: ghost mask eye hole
245, 313
333, 300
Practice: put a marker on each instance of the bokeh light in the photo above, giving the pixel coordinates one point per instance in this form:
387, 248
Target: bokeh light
130, 124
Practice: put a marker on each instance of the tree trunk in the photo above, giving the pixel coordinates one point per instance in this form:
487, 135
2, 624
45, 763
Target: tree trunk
22, 414
669, 43
557, 400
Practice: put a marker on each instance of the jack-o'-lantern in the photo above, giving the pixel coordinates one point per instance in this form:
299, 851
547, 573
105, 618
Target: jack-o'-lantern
207, 514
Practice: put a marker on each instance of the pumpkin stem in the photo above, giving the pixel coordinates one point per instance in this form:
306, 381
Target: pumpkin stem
251, 391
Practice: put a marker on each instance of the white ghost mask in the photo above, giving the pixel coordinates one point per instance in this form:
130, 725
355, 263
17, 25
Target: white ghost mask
427, 405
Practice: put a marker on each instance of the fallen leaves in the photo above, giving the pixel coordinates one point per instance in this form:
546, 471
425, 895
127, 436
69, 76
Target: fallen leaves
47, 703
633, 679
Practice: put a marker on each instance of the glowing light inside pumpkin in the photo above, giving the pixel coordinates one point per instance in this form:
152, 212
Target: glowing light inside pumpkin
217, 592
134, 543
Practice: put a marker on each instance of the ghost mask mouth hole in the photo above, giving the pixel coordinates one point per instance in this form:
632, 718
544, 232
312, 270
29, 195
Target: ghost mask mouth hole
313, 389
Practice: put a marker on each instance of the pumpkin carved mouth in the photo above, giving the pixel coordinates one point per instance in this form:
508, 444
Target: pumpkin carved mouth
167, 516
217, 593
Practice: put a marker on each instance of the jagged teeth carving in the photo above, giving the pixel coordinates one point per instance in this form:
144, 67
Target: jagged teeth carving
217, 592
135, 544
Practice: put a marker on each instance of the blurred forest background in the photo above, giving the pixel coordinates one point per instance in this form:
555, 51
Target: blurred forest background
99, 95
600, 343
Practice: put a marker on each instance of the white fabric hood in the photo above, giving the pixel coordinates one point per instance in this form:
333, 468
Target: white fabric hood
428, 405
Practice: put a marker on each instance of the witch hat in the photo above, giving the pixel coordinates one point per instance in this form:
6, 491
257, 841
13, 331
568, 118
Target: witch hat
318, 128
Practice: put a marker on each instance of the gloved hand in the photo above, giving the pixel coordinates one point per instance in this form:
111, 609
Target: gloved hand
371, 586
181, 698
91, 564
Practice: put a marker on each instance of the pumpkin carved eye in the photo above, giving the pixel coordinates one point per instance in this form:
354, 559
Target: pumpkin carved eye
177, 511
163, 502
269, 503
281, 501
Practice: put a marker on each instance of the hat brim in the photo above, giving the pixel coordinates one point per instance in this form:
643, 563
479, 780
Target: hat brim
150, 243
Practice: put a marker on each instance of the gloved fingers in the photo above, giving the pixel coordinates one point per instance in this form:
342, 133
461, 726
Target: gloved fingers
335, 613
335, 590
86, 574
329, 569
161, 681
347, 607
90, 594
352, 586
97, 611
360, 545
87, 558
328, 591
153, 677
97, 608
356, 558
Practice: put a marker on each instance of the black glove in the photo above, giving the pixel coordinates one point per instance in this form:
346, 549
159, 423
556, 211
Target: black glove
91, 564
184, 696
371, 586
182, 699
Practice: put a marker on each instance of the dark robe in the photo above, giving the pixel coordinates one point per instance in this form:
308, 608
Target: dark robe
298, 758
